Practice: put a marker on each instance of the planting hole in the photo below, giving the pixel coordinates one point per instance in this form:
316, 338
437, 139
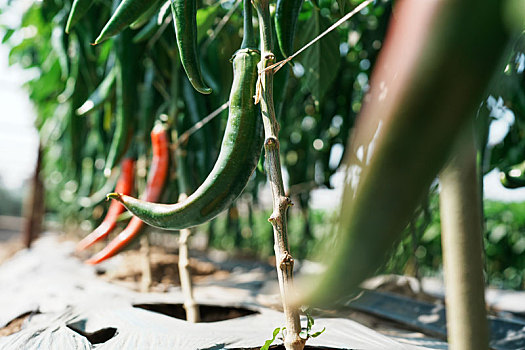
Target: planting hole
306, 347
209, 313
96, 337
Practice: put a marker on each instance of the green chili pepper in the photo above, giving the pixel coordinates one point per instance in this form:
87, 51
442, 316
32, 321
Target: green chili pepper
146, 110
193, 102
126, 99
147, 31
513, 177
147, 15
100, 95
286, 14
240, 150
248, 40
184, 17
126, 13
86, 179
76, 92
78, 10
59, 46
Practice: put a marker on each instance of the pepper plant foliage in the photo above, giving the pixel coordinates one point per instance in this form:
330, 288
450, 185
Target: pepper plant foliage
315, 115
317, 101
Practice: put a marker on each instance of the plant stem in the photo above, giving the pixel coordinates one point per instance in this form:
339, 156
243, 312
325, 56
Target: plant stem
145, 251
191, 307
462, 249
283, 259
248, 39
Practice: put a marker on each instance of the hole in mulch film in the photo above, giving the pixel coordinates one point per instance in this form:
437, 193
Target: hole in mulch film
97, 337
208, 313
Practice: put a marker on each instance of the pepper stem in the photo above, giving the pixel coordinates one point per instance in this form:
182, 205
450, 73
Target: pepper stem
248, 40
114, 195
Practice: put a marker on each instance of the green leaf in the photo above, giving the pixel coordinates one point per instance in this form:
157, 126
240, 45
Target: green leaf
7, 35
316, 334
321, 60
205, 18
269, 342
260, 165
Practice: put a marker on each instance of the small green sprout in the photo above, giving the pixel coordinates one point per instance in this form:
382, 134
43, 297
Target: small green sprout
269, 342
306, 333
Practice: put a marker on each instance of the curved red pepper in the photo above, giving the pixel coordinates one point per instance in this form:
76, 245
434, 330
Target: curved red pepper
156, 179
124, 183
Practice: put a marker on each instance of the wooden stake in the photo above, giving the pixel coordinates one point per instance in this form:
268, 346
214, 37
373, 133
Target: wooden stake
461, 236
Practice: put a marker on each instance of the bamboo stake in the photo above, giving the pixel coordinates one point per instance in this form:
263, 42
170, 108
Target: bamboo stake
283, 259
462, 249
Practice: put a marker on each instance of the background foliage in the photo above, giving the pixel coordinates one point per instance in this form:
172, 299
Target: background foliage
317, 100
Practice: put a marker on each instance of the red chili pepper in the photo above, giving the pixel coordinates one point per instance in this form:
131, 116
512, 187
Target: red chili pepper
124, 183
156, 178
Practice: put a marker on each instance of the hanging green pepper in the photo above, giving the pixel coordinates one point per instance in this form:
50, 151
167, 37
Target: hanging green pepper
513, 177
150, 13
126, 100
184, 17
147, 31
126, 13
78, 10
101, 94
286, 15
238, 157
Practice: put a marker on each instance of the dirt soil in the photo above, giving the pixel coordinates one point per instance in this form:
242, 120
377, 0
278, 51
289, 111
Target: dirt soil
14, 326
164, 270
163, 264
9, 248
